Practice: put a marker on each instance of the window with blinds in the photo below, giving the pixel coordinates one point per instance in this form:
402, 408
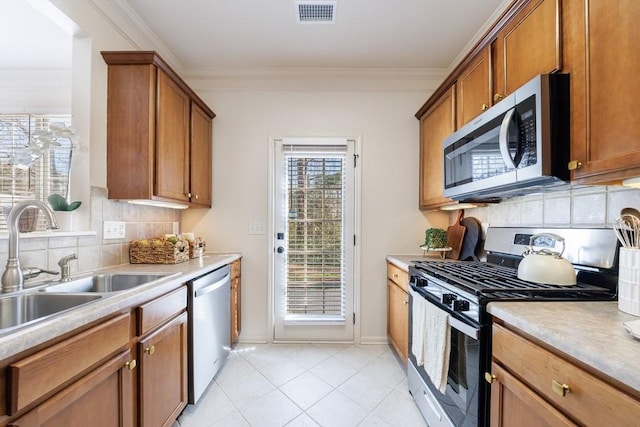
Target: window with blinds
314, 266
29, 171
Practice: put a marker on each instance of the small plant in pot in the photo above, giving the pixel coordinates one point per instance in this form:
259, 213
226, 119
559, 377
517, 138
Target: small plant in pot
64, 211
435, 238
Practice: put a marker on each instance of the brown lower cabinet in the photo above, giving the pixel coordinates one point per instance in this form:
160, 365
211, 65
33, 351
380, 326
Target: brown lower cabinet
128, 370
163, 373
535, 385
236, 296
398, 309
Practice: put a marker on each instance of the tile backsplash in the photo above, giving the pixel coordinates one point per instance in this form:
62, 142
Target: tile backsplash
93, 251
575, 207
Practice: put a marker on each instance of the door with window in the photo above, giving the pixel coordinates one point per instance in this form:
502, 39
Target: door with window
314, 245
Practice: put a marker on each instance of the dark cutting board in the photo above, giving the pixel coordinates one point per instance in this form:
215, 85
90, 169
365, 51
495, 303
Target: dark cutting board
471, 239
455, 235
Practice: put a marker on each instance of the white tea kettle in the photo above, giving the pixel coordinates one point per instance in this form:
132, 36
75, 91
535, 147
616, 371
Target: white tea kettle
545, 265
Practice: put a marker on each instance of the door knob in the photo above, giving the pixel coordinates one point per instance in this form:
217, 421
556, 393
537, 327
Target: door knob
150, 350
131, 365
280, 249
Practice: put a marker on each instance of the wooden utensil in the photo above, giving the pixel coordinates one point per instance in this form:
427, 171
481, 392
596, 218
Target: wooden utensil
455, 235
471, 239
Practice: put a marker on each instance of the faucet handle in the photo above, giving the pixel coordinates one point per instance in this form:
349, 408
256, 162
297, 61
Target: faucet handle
31, 272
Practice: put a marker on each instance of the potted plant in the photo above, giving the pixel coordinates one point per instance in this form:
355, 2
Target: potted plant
64, 211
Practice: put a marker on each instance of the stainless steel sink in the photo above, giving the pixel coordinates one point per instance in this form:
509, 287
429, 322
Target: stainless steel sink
108, 282
17, 310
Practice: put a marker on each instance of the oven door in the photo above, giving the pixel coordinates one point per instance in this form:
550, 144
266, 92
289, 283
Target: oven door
465, 398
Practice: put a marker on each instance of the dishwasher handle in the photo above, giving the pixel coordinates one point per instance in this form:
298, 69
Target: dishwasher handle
213, 286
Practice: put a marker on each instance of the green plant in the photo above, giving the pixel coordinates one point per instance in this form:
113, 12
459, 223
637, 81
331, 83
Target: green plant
59, 203
435, 238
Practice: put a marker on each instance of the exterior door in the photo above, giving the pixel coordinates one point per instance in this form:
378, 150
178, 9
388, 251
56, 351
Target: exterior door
314, 244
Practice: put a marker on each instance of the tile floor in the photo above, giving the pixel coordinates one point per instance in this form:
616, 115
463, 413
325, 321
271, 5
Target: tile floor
307, 385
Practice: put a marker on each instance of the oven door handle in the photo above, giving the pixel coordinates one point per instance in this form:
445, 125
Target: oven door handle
463, 327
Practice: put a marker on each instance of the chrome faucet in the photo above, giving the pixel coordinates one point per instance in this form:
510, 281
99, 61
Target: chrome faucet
13, 276
64, 267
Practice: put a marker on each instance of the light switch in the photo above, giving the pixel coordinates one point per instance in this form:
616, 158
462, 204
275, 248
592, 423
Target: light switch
257, 227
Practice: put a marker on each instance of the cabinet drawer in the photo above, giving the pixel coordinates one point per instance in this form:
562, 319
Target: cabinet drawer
33, 377
158, 311
398, 275
235, 269
589, 400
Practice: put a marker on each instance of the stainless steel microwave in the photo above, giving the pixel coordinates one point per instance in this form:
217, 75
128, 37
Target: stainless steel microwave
518, 146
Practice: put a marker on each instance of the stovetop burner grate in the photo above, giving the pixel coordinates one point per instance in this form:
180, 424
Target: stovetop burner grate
485, 279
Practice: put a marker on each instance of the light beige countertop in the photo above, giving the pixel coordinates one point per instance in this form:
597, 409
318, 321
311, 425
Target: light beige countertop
16, 340
591, 332
403, 261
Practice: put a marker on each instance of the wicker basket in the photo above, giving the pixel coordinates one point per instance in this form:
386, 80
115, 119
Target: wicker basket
158, 251
197, 248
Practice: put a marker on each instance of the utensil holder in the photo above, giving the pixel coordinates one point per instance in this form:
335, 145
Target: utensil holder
629, 281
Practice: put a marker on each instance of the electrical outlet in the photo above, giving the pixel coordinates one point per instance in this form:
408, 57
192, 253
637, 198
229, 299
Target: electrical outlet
257, 227
113, 230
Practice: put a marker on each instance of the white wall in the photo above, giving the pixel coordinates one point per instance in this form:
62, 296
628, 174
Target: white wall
391, 221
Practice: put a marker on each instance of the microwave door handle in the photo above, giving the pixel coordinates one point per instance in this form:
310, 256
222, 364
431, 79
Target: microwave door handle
503, 138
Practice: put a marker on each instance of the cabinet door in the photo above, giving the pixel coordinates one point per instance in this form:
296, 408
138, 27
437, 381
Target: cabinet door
436, 124
172, 140
514, 404
605, 100
201, 133
103, 398
398, 319
473, 88
163, 374
530, 44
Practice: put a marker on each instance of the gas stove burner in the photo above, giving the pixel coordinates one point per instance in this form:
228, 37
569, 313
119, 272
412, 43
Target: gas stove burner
489, 280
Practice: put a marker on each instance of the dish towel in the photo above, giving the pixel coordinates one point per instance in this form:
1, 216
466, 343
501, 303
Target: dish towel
431, 339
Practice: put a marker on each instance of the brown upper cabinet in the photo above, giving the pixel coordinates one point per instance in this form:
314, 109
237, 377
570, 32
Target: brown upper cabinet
435, 124
473, 88
159, 133
529, 44
604, 62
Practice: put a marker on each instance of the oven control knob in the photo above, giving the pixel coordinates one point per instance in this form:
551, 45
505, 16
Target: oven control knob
419, 281
448, 298
461, 305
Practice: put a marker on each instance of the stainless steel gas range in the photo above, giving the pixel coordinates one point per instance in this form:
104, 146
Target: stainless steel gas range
463, 289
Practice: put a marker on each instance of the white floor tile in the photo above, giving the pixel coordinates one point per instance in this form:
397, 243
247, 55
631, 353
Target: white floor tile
299, 385
399, 410
333, 371
337, 410
364, 391
271, 410
232, 420
306, 389
247, 388
303, 420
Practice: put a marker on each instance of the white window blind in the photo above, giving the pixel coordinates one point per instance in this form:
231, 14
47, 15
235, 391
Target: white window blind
27, 174
314, 266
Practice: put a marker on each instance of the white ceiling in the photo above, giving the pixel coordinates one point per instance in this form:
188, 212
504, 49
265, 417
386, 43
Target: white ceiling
378, 34
211, 35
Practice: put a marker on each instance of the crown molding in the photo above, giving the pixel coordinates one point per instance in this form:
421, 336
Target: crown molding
124, 19
350, 79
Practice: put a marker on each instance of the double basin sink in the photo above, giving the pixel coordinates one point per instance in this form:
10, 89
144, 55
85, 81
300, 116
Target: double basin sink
42, 303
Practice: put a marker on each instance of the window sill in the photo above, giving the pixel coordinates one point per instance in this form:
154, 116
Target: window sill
49, 234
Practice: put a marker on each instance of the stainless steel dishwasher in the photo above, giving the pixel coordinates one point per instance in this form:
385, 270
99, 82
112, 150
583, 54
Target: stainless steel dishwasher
209, 328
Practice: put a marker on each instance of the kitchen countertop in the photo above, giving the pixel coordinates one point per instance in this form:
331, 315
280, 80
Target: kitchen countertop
403, 261
591, 332
15, 341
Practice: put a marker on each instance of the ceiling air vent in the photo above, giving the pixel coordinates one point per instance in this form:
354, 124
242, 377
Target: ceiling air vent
316, 11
